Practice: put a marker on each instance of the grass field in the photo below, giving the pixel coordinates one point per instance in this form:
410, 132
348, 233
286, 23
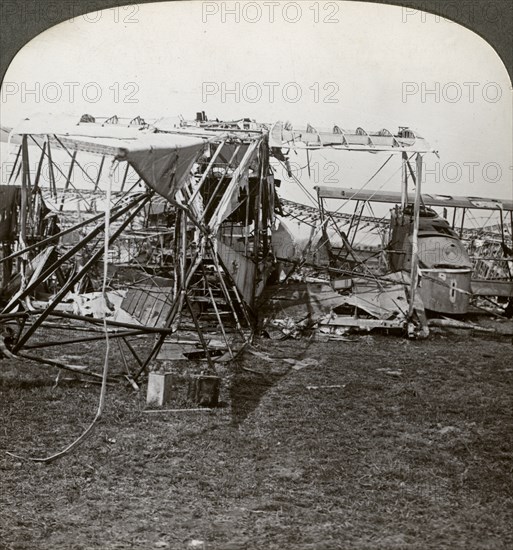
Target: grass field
411, 447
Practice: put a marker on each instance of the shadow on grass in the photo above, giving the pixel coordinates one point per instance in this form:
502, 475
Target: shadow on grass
247, 390
256, 374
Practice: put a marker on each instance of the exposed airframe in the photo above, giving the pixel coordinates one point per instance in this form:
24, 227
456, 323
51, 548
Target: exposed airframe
191, 251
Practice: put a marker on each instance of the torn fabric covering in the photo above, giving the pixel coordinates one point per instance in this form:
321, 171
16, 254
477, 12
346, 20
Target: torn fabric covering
100, 305
230, 199
383, 298
299, 300
295, 240
229, 149
163, 161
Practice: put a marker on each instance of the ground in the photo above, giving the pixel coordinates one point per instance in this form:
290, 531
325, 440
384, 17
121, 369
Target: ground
373, 443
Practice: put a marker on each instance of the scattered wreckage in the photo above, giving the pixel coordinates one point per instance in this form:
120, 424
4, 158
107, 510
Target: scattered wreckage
182, 235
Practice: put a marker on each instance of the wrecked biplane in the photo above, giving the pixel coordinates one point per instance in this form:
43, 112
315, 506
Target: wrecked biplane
193, 229
451, 269
424, 262
207, 207
391, 302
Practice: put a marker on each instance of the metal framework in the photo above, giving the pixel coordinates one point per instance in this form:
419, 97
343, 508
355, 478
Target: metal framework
219, 196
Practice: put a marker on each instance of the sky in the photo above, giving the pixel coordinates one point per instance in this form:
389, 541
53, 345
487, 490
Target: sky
324, 63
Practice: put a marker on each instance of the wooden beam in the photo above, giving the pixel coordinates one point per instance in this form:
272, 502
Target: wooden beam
414, 274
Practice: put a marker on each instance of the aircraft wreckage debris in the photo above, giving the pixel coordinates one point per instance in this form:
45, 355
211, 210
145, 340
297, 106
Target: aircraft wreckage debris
186, 243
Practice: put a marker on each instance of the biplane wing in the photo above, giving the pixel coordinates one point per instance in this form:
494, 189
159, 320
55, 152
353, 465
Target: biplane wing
490, 260
404, 140
394, 197
5, 132
213, 238
162, 160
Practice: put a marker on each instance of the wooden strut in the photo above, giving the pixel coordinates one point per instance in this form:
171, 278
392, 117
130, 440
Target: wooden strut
18, 172
58, 364
132, 351
462, 222
219, 320
14, 315
25, 206
15, 164
39, 169
128, 374
55, 237
200, 335
47, 272
53, 188
355, 230
415, 237
95, 321
64, 290
68, 180
353, 217
214, 305
97, 182
404, 182
82, 340
125, 175
52, 165
204, 409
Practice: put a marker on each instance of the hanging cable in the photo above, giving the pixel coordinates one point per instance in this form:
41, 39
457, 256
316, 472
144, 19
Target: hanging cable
103, 390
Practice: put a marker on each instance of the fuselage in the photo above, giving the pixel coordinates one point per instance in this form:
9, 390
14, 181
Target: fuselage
445, 266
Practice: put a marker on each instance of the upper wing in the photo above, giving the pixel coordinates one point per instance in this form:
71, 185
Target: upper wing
405, 140
162, 160
394, 197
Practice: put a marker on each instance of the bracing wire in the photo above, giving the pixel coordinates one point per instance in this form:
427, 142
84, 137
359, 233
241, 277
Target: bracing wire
368, 181
321, 242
